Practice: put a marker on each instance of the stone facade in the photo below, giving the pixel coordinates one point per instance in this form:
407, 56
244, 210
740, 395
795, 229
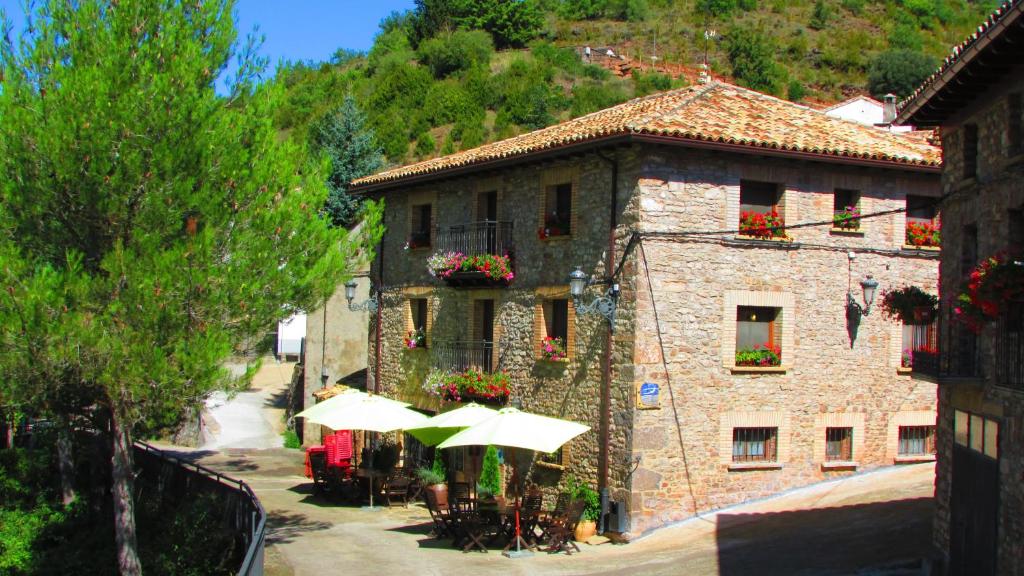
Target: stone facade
982, 215
672, 457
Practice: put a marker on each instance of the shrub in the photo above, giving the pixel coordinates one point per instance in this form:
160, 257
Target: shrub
449, 102
750, 53
820, 16
291, 439
715, 7
898, 72
591, 97
592, 500
449, 53
795, 92
854, 7
644, 84
490, 479
425, 144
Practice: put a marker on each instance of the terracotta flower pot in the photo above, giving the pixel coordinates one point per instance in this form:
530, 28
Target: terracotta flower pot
585, 529
440, 493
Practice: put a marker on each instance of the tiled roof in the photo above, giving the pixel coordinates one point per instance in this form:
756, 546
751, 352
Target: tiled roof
713, 113
958, 51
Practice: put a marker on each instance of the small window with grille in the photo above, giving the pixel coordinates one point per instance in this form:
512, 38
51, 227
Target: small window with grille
917, 440
970, 151
839, 444
754, 444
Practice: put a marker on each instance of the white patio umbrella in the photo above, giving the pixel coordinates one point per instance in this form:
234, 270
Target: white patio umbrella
373, 413
513, 428
337, 400
439, 428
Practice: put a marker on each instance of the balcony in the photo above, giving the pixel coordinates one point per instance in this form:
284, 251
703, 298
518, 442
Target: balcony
469, 372
927, 363
480, 254
1009, 350
960, 360
455, 356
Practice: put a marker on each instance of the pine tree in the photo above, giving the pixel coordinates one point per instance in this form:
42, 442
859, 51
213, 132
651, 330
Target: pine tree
490, 478
350, 145
148, 227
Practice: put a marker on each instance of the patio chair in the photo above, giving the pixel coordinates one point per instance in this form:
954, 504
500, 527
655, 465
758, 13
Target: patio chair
472, 528
546, 519
529, 515
562, 530
318, 470
397, 486
439, 514
458, 490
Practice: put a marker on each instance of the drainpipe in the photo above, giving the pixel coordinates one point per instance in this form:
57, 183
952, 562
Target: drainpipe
379, 315
606, 380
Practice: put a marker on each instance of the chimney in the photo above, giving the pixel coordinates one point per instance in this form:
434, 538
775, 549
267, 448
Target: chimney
889, 109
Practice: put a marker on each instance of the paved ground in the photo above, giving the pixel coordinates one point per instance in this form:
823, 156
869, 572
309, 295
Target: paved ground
254, 418
871, 524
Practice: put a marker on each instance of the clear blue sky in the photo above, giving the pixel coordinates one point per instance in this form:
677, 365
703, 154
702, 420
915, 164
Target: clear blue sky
297, 30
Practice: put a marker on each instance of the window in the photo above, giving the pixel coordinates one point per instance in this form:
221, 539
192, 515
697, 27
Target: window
968, 250
557, 210
1014, 121
839, 444
754, 444
916, 440
918, 338
556, 318
921, 227
920, 209
420, 224
976, 432
846, 209
553, 330
482, 352
970, 151
758, 336
759, 209
557, 459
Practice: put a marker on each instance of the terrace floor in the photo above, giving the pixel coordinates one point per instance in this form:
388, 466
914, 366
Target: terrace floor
876, 523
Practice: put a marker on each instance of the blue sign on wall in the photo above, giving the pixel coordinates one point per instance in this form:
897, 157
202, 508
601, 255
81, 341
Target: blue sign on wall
649, 392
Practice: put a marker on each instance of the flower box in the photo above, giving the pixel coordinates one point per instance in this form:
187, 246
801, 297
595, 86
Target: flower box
469, 386
762, 225
923, 235
458, 270
847, 219
415, 339
761, 356
552, 349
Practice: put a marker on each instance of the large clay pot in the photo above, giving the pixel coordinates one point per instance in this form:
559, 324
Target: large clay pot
585, 529
440, 494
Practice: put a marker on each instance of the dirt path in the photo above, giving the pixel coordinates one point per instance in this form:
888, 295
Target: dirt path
253, 419
875, 524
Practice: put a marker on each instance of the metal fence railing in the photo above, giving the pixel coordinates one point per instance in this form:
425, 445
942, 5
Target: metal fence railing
486, 237
460, 356
1009, 348
175, 478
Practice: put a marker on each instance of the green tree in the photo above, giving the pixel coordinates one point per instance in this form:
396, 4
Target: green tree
898, 72
156, 225
345, 139
448, 53
490, 478
750, 52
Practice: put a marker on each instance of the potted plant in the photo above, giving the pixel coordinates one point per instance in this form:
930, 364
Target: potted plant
587, 526
910, 305
995, 282
433, 478
552, 348
847, 219
553, 226
907, 360
923, 234
489, 485
763, 355
763, 225
416, 339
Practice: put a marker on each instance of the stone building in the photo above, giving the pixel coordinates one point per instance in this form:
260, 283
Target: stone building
658, 201
975, 99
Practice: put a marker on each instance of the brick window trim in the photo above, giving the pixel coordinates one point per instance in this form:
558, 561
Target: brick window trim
412, 293
753, 419
554, 177
787, 209
540, 330
822, 422
735, 298
907, 418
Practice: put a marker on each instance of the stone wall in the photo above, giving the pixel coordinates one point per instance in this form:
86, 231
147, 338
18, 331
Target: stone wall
985, 202
541, 267
697, 281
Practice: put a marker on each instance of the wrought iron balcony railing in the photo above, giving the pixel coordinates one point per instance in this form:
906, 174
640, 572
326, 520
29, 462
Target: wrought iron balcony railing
927, 363
1009, 350
485, 237
459, 356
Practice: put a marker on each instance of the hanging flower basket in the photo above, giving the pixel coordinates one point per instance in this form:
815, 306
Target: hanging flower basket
996, 282
910, 305
459, 270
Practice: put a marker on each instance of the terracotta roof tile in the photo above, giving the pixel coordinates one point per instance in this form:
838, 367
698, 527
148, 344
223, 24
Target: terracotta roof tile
717, 112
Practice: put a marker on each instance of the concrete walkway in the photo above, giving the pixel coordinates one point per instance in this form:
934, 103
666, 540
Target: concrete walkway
872, 524
251, 419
